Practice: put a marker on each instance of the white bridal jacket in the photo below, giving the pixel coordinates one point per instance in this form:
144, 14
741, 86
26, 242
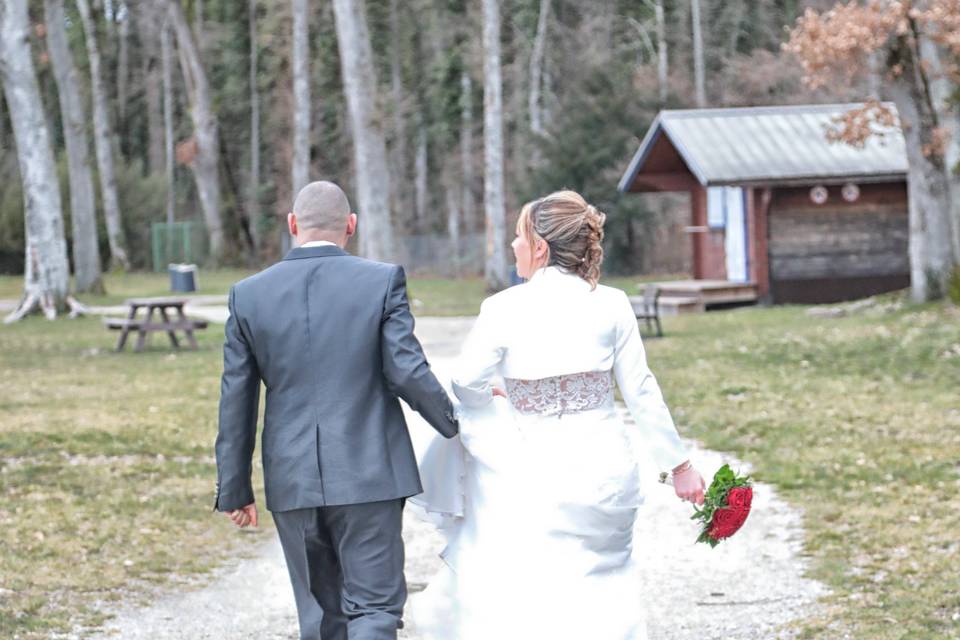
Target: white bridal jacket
538, 495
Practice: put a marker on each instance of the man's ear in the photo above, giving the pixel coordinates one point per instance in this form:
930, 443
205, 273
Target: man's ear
351, 224
292, 223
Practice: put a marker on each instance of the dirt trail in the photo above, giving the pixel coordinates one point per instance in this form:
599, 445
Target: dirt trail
689, 586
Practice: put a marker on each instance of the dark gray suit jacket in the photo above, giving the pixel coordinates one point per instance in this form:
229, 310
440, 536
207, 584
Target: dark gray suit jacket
331, 337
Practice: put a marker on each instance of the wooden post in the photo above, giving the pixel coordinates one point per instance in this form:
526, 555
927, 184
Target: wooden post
698, 206
761, 209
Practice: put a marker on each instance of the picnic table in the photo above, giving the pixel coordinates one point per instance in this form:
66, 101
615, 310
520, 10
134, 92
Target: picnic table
171, 319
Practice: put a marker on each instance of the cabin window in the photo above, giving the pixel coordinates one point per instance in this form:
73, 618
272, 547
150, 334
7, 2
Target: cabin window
716, 211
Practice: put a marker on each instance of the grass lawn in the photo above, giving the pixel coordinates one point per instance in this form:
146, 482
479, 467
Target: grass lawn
106, 467
428, 296
857, 421
121, 286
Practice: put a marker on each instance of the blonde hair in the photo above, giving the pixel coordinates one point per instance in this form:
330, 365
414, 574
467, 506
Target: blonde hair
572, 229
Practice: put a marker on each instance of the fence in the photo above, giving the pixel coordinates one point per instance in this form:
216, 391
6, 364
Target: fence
438, 255
179, 242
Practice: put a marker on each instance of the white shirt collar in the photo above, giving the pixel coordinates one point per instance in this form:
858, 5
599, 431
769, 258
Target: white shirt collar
318, 243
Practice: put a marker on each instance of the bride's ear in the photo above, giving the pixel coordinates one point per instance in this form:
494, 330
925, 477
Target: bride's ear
541, 250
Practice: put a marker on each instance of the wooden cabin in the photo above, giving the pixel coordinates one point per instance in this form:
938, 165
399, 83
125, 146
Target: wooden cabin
778, 213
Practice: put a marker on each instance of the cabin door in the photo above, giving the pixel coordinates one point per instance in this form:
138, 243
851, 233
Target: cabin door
735, 234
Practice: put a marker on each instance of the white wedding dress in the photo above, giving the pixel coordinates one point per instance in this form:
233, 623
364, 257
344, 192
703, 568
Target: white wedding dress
538, 494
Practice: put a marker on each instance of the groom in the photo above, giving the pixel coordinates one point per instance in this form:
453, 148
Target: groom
331, 337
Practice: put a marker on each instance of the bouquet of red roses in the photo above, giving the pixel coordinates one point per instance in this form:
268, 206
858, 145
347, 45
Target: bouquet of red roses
726, 505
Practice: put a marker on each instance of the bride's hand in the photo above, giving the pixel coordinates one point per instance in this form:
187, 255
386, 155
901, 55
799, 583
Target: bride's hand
689, 485
499, 392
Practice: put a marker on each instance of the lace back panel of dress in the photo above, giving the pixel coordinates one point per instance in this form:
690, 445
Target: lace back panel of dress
557, 395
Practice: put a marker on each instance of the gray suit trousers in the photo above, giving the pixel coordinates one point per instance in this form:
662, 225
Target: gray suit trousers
346, 566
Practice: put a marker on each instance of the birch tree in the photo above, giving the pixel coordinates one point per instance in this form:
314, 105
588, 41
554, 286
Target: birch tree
123, 67
47, 276
839, 44
369, 144
663, 65
254, 193
166, 65
86, 251
205, 133
468, 210
495, 267
399, 142
421, 189
103, 143
536, 71
146, 18
301, 95
699, 81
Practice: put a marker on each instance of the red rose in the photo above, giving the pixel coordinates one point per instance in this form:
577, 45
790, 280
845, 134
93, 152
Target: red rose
728, 520
740, 497
723, 524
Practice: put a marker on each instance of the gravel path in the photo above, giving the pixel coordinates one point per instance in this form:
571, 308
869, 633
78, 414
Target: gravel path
689, 586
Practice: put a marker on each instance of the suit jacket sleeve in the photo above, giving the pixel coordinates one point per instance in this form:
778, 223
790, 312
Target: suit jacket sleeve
641, 393
239, 402
405, 367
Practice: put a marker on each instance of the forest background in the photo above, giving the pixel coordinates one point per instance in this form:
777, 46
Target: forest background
217, 111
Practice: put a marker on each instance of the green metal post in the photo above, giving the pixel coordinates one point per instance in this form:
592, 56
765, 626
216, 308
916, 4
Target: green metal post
155, 243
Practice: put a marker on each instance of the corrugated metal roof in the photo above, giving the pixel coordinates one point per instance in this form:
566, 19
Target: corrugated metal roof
756, 145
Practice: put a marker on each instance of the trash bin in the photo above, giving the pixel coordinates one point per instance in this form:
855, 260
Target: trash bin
183, 277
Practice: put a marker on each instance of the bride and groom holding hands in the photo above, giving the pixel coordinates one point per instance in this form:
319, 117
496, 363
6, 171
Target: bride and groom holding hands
535, 486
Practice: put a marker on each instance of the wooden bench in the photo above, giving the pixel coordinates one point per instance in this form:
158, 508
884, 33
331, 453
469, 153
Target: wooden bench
647, 308
146, 325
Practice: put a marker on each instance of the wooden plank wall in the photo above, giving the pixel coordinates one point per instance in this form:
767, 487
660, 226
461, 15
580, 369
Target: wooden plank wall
864, 242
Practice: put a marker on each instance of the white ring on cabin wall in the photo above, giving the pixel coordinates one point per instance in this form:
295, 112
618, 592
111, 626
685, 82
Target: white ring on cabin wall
850, 192
819, 194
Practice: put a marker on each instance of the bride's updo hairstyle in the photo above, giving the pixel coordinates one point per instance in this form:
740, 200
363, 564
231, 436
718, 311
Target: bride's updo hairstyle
572, 229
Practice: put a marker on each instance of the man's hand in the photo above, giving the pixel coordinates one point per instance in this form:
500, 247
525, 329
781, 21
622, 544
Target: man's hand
245, 516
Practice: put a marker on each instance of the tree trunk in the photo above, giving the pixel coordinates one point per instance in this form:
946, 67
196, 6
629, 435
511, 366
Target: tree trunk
931, 252
47, 276
198, 33
123, 70
536, 71
301, 96
942, 94
453, 214
698, 71
83, 218
874, 75
254, 195
103, 139
663, 78
147, 19
205, 167
166, 62
495, 269
370, 149
468, 210
399, 149
420, 187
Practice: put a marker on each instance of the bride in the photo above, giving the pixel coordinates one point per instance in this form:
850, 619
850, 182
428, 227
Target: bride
537, 497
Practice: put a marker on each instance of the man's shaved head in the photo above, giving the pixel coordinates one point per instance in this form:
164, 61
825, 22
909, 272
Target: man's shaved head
321, 205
